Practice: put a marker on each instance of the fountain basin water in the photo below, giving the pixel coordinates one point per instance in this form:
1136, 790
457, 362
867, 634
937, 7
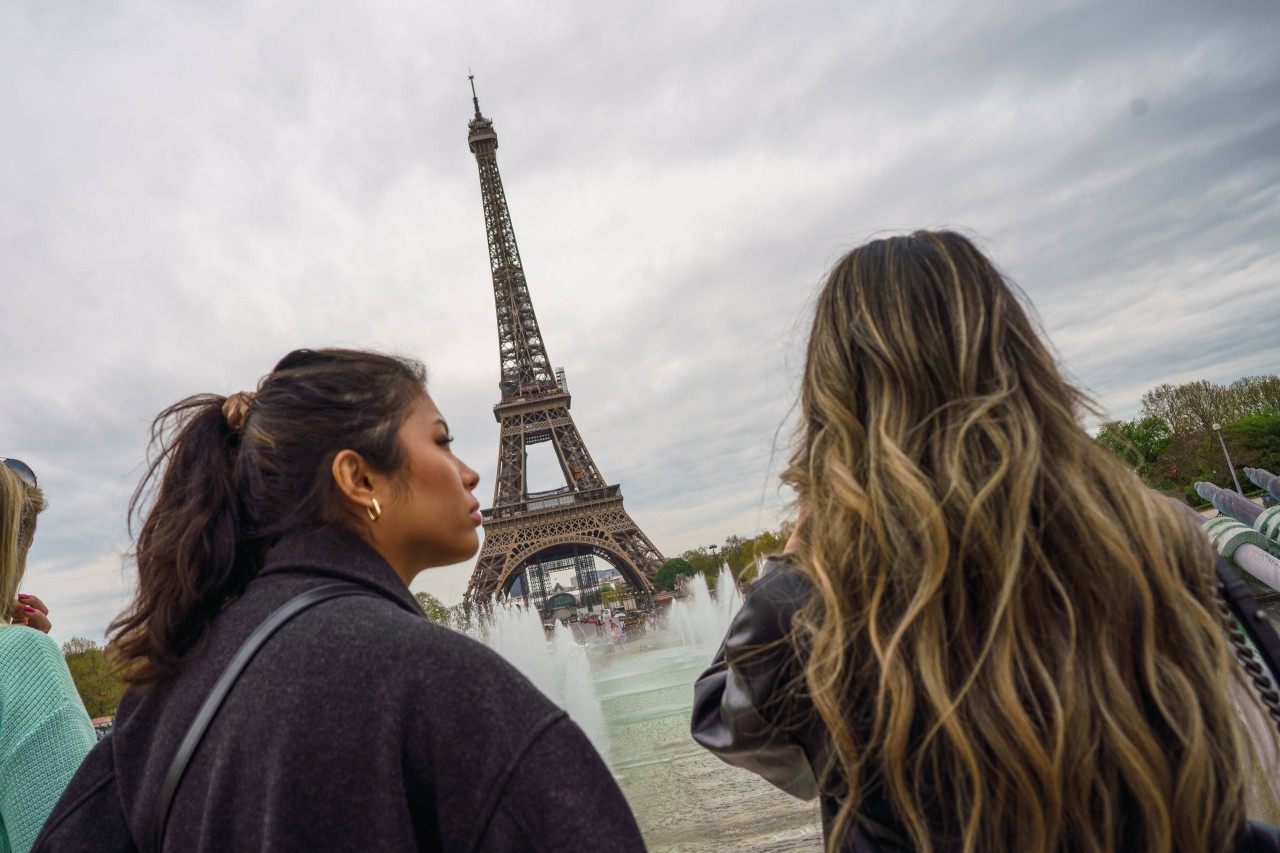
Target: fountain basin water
558, 666
684, 798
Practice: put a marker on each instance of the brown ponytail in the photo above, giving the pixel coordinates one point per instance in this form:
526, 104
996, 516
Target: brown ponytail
216, 498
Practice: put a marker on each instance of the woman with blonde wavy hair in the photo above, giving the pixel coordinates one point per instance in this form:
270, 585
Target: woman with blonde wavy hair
986, 634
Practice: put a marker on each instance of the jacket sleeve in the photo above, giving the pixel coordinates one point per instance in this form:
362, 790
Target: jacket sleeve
749, 707
89, 817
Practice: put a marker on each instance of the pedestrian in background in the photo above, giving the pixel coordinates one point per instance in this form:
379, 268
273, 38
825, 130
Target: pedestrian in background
44, 730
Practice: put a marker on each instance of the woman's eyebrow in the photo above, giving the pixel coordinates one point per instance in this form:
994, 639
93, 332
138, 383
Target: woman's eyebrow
443, 423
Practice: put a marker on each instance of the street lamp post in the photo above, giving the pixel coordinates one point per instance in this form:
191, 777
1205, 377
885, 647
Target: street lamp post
1218, 429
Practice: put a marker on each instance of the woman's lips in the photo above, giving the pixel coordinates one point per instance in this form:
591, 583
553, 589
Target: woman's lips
476, 516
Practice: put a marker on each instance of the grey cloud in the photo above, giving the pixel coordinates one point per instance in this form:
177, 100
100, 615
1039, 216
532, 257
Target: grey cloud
189, 192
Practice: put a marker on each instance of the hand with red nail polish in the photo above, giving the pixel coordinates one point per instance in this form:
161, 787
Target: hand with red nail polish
29, 610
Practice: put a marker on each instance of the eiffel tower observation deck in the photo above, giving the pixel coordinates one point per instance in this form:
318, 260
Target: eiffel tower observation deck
585, 518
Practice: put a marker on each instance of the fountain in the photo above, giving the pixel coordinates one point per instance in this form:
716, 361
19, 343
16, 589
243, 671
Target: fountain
701, 620
639, 695
558, 667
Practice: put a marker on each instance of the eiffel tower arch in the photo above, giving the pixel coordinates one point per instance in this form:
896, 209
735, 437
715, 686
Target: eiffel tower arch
585, 517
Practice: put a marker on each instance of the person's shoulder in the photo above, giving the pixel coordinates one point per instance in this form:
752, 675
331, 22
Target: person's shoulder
769, 607
478, 670
449, 647
390, 623
411, 643
32, 669
782, 581
21, 640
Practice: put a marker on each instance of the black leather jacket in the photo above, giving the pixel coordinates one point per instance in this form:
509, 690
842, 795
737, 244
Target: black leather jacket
751, 709
743, 709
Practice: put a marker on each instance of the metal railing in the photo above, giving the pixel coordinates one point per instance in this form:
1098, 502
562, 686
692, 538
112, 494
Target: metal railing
552, 502
1246, 534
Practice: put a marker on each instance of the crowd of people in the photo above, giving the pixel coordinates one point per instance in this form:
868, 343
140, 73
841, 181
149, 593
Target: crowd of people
985, 633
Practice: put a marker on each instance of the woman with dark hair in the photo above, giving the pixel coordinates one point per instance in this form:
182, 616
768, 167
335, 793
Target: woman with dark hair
359, 724
986, 634
44, 731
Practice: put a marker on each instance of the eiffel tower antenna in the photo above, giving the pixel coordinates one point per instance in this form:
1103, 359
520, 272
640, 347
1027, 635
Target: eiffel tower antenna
524, 532
474, 99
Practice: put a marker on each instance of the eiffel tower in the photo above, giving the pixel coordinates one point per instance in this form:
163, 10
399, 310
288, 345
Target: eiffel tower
583, 518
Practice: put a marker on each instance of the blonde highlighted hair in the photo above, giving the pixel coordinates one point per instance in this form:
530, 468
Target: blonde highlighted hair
19, 506
1012, 637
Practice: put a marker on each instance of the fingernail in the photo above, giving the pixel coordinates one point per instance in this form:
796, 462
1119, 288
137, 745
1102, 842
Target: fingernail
28, 608
23, 596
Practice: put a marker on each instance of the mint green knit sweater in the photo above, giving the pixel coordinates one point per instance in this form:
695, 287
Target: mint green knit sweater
44, 733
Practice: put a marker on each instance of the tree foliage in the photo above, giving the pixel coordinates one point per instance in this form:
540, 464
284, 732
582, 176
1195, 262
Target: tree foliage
703, 559
1138, 442
78, 646
96, 681
459, 616
434, 608
1173, 445
609, 597
741, 554
671, 570
1196, 406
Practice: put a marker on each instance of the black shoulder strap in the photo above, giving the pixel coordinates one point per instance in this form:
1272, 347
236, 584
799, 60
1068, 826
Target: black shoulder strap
195, 733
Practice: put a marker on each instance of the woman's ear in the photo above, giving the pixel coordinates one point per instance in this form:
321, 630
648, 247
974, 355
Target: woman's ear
355, 479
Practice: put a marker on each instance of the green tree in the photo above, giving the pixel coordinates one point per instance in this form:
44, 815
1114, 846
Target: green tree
1138, 442
96, 681
737, 553
742, 554
1173, 445
78, 646
609, 597
1196, 406
1258, 440
766, 544
1258, 394
434, 608
1190, 407
1190, 456
669, 572
749, 572
460, 616
1194, 455
702, 560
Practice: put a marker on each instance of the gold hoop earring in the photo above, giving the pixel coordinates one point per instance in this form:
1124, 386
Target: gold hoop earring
375, 512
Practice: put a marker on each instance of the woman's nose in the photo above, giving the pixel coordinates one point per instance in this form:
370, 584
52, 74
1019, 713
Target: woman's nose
469, 477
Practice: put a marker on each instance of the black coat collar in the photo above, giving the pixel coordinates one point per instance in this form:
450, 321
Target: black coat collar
338, 553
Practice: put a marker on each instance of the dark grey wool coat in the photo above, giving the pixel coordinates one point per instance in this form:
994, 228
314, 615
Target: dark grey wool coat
360, 725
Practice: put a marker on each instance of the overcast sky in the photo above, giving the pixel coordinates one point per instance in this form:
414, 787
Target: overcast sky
190, 190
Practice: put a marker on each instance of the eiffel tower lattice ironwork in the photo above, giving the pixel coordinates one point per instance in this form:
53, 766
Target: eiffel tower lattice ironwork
586, 515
